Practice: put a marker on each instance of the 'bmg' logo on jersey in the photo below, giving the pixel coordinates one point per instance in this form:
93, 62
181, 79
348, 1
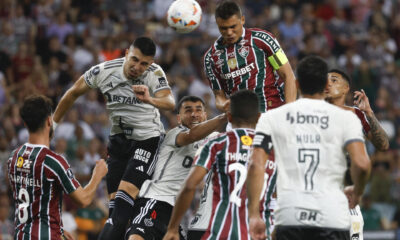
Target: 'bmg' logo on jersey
323, 121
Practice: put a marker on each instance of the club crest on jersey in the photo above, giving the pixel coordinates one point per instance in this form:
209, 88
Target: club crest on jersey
148, 222
218, 52
232, 62
244, 51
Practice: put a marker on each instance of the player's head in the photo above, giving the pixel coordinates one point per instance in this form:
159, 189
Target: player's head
36, 113
139, 57
312, 75
338, 84
243, 108
191, 111
230, 21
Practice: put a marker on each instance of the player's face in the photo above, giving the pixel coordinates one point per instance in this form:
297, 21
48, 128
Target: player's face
136, 63
231, 29
191, 113
337, 86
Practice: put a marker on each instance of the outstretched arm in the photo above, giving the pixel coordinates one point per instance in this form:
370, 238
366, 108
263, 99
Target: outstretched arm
184, 200
79, 88
201, 130
377, 134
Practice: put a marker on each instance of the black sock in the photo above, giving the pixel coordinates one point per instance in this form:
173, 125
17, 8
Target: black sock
111, 205
116, 225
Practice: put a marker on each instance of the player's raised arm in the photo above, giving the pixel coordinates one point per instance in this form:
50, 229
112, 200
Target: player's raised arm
201, 130
162, 99
377, 134
184, 200
79, 88
84, 196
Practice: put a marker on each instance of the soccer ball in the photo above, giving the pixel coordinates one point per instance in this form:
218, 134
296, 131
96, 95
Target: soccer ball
184, 15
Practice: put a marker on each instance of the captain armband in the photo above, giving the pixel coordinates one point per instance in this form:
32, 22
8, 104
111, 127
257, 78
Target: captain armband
263, 141
278, 59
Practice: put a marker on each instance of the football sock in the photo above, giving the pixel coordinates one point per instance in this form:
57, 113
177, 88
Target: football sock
111, 204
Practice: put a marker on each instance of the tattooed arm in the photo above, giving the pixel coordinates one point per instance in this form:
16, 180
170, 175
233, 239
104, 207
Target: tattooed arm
377, 134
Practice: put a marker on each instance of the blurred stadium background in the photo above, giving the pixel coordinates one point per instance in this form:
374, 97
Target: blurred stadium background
45, 45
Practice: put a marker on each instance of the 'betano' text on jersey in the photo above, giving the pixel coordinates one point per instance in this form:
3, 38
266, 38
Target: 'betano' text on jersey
38, 179
309, 137
245, 65
128, 115
227, 157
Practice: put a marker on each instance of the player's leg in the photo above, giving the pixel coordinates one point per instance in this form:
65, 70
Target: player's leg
290, 233
118, 155
140, 168
150, 220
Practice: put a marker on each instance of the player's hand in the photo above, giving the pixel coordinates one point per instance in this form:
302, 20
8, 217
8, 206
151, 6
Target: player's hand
352, 198
227, 105
361, 101
171, 235
257, 228
100, 169
142, 93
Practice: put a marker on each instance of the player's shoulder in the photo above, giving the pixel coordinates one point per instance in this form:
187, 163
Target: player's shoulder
155, 71
51, 157
258, 31
108, 66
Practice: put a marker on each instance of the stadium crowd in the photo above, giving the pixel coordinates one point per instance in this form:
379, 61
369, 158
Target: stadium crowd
46, 44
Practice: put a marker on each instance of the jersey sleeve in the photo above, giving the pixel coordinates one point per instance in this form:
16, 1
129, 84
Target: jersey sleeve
352, 129
157, 80
209, 69
271, 47
58, 170
170, 138
94, 75
263, 138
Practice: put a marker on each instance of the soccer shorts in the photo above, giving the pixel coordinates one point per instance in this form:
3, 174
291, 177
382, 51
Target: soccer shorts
151, 218
130, 160
195, 234
310, 233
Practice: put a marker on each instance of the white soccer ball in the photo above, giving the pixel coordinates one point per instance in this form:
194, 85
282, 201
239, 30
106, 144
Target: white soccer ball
184, 15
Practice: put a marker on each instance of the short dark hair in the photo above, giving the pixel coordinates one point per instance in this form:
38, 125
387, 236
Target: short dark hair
342, 73
244, 106
145, 45
35, 110
312, 74
189, 99
227, 9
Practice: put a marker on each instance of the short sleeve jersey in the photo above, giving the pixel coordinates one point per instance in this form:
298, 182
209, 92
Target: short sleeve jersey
227, 157
128, 115
173, 166
248, 64
309, 138
38, 179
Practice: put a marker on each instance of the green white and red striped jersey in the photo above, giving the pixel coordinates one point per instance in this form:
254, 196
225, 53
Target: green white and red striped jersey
38, 179
227, 156
249, 64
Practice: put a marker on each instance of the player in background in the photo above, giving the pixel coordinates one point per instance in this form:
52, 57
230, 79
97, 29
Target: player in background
135, 88
339, 85
39, 177
308, 137
249, 58
157, 196
226, 156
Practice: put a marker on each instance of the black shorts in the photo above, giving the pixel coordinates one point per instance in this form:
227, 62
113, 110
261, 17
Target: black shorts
195, 234
151, 218
130, 160
310, 233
